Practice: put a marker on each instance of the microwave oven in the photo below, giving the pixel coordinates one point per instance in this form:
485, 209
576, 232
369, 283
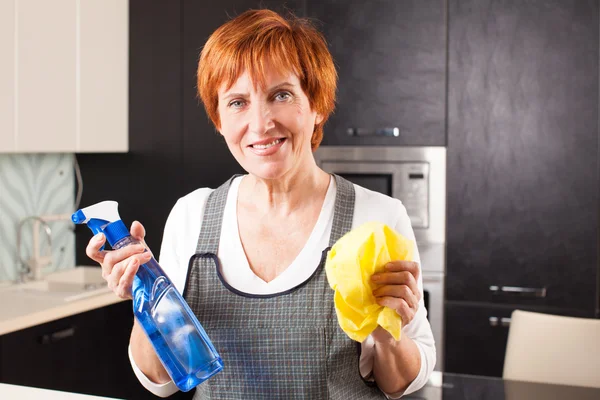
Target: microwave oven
414, 175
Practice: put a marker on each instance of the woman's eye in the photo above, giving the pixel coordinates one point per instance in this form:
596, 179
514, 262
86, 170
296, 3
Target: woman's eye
282, 96
236, 104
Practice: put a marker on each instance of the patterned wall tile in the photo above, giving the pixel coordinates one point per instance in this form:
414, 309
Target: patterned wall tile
36, 185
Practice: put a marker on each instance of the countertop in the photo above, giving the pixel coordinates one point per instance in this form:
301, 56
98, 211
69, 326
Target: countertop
449, 386
22, 310
10, 392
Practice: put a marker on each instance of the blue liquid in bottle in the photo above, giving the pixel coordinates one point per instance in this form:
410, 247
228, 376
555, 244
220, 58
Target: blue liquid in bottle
178, 338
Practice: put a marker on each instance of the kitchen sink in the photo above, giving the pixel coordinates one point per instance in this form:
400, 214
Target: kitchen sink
66, 285
76, 279
61, 289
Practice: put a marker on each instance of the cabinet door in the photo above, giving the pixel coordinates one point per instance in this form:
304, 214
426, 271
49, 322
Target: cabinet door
476, 336
523, 151
46, 98
391, 60
7, 76
207, 160
103, 77
46, 356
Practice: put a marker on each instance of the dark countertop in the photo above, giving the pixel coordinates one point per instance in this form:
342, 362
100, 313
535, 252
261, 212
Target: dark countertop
449, 386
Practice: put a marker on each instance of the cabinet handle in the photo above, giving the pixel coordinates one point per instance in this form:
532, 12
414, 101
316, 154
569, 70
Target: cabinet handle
395, 132
58, 335
520, 291
504, 322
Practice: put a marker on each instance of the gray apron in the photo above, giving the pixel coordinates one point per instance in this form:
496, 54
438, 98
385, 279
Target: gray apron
285, 345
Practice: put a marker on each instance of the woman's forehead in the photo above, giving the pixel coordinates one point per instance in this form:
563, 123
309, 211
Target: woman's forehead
255, 80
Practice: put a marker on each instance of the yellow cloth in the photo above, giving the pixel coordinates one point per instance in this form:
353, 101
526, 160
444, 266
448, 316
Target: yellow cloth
351, 262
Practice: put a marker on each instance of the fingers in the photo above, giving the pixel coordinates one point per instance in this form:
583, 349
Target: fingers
120, 266
398, 288
410, 266
93, 248
400, 306
122, 274
112, 258
400, 292
398, 278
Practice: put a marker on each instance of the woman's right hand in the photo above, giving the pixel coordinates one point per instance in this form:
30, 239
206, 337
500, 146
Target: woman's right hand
119, 266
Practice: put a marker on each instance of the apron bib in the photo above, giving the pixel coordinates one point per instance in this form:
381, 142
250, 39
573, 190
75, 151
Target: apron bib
284, 345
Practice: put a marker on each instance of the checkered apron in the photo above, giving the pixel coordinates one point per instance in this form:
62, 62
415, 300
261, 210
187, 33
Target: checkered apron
281, 346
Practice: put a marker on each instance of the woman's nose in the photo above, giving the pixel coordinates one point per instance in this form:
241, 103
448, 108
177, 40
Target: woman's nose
261, 118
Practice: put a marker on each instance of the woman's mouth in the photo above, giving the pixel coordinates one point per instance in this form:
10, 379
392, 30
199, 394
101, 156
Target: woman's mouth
267, 145
267, 148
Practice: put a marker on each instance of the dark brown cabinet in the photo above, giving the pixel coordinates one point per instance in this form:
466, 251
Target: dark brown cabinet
84, 353
522, 167
391, 61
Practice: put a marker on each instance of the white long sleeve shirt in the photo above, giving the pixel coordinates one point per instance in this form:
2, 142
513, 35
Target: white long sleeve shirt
181, 236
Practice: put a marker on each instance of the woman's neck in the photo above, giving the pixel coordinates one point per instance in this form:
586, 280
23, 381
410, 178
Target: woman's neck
284, 195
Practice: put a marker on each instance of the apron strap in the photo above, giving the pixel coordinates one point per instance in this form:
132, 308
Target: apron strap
343, 210
210, 231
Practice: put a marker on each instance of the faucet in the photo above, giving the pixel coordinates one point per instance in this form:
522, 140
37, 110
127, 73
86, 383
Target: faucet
36, 262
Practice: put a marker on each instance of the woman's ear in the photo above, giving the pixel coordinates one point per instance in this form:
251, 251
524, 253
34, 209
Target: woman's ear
319, 119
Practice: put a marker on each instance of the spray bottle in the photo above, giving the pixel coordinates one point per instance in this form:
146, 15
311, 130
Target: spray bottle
179, 340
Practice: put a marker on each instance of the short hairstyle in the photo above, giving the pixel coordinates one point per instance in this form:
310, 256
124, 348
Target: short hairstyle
257, 37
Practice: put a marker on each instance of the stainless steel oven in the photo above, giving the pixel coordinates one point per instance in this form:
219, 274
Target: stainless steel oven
416, 176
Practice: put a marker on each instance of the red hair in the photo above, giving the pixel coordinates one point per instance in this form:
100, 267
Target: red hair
259, 37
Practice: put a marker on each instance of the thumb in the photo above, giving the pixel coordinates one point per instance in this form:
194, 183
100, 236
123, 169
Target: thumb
137, 231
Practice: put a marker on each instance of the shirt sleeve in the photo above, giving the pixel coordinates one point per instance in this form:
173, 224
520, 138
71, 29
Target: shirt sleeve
157, 389
419, 329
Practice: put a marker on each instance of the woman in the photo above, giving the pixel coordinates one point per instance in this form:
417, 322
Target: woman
248, 256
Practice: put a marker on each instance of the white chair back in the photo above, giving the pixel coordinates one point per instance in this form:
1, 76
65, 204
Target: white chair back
553, 349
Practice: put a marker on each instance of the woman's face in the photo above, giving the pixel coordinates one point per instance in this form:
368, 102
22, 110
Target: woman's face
268, 131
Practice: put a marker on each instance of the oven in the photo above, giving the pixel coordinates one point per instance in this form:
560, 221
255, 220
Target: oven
416, 176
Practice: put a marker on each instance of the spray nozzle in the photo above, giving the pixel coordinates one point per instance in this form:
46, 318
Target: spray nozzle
104, 218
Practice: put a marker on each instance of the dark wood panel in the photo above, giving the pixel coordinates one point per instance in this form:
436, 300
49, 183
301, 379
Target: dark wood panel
391, 60
207, 160
146, 181
523, 149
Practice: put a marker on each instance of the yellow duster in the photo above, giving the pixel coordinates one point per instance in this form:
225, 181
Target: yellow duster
351, 262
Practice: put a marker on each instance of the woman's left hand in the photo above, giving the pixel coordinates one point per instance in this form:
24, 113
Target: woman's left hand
398, 288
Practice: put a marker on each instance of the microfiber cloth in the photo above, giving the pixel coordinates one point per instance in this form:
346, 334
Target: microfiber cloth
351, 262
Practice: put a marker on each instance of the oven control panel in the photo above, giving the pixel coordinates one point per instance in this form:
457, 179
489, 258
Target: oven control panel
411, 186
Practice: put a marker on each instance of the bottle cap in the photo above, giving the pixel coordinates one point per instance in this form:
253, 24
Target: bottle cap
116, 231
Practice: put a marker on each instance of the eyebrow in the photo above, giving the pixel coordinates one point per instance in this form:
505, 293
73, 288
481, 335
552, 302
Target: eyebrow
272, 89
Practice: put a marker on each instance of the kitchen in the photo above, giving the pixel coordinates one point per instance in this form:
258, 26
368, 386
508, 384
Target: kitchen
507, 90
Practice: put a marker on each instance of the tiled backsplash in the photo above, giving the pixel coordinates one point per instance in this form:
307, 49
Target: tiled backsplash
36, 185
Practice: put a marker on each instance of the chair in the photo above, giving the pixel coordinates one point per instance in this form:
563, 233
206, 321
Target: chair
553, 349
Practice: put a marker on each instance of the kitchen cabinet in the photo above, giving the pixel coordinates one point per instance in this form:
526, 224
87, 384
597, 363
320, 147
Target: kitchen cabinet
64, 74
391, 61
84, 353
522, 160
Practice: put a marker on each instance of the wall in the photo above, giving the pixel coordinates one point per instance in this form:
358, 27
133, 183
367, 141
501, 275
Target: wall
35, 184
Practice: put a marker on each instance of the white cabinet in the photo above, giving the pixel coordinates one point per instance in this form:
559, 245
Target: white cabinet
7, 75
64, 76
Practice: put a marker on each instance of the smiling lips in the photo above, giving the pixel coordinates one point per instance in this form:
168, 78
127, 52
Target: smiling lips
266, 148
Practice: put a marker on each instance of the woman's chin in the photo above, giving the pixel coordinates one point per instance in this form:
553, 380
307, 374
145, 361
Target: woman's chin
268, 171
